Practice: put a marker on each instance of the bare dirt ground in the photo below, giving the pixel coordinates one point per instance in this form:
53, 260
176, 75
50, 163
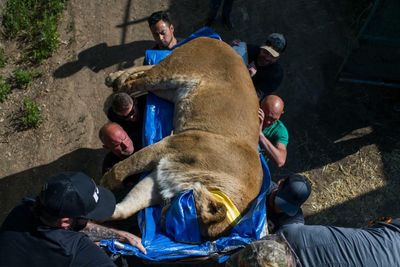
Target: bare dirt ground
345, 138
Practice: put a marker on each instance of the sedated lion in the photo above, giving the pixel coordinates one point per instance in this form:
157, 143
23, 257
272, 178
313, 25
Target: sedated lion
215, 136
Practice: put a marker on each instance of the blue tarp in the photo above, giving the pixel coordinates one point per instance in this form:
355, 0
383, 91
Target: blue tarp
155, 56
181, 222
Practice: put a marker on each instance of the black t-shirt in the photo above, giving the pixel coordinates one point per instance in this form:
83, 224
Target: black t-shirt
267, 78
133, 129
24, 241
109, 161
277, 220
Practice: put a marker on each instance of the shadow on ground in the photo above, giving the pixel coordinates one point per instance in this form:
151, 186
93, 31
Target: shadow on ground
102, 56
27, 183
341, 124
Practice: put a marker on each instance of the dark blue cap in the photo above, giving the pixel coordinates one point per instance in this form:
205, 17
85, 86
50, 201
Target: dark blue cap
74, 194
292, 193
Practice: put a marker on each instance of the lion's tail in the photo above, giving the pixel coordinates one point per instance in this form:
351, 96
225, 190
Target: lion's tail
212, 213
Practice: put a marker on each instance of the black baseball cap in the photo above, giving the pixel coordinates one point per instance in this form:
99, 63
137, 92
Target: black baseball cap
74, 194
292, 193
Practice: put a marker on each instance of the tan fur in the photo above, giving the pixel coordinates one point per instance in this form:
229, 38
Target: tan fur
215, 138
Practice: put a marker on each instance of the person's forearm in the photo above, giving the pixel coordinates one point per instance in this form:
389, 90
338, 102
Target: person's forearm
278, 156
97, 232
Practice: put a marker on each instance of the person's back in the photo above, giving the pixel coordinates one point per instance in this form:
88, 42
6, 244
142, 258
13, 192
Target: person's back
25, 241
317, 245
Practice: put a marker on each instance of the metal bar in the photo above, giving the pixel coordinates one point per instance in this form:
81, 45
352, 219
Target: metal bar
370, 82
380, 40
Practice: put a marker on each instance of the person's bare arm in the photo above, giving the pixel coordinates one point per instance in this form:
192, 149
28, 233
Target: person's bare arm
276, 152
97, 232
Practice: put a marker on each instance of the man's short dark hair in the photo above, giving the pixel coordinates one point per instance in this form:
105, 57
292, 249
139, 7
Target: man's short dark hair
121, 102
157, 16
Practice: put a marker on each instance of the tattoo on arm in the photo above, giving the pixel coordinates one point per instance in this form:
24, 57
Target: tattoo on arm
98, 232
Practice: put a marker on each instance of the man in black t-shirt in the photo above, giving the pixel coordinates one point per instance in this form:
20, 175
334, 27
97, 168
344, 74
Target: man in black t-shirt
263, 64
46, 231
284, 201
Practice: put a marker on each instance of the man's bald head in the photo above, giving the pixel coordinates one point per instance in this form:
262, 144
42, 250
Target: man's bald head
114, 138
273, 107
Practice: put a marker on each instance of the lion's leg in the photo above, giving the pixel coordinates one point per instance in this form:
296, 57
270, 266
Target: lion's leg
145, 159
118, 78
143, 195
160, 81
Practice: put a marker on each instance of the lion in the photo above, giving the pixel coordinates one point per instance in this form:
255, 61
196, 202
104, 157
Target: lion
214, 145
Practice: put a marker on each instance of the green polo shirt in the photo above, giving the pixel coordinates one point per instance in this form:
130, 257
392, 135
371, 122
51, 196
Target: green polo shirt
276, 133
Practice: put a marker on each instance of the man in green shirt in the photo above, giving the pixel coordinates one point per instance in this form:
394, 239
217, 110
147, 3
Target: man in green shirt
274, 136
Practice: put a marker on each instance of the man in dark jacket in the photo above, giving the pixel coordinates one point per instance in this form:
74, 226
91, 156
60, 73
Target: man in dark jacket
46, 231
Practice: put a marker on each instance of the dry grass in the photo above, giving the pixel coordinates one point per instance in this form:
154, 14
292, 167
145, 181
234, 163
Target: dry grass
353, 178
356, 175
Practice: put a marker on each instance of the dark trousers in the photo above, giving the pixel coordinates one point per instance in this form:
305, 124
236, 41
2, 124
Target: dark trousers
226, 8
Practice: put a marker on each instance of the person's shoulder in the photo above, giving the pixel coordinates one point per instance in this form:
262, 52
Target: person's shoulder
280, 124
277, 68
111, 115
282, 131
89, 254
141, 100
252, 51
109, 161
21, 217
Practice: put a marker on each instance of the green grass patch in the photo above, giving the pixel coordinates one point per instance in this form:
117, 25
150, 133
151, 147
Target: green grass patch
23, 77
35, 23
31, 114
3, 59
5, 89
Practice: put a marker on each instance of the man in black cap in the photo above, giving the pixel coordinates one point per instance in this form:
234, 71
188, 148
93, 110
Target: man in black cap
263, 64
45, 231
284, 201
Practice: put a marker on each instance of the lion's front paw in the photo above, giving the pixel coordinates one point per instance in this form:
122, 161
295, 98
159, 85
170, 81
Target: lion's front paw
112, 77
110, 180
